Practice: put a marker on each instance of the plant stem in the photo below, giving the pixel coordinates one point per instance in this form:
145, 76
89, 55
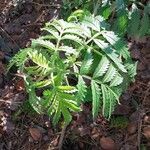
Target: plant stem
96, 7
93, 37
60, 144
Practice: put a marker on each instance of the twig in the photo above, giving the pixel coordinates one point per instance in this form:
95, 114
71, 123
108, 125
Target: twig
140, 118
139, 128
5, 101
32, 24
9, 36
146, 94
47, 5
112, 16
60, 144
8, 102
96, 7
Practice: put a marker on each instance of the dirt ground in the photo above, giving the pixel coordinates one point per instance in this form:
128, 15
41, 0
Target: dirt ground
129, 128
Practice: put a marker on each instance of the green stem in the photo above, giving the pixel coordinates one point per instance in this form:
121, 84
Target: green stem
55, 56
93, 37
96, 7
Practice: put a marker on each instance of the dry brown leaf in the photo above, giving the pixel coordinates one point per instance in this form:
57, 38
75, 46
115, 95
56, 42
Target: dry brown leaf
122, 110
2, 68
55, 141
146, 132
1, 55
132, 127
84, 131
132, 139
35, 133
107, 143
141, 66
135, 53
147, 119
95, 136
20, 85
96, 133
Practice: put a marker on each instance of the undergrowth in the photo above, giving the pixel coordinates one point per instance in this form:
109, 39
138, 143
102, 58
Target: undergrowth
131, 17
85, 49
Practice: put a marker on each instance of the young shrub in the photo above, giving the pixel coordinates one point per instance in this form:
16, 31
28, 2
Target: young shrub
97, 59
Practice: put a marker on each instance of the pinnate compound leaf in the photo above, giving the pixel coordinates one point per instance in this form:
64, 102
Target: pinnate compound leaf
55, 59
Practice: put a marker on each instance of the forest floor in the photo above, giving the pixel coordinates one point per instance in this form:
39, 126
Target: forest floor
129, 128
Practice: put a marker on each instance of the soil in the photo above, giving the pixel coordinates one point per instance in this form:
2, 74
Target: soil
129, 128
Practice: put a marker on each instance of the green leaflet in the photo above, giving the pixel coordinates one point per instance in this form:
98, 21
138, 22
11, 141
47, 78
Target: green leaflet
75, 31
117, 43
87, 62
122, 17
111, 72
131, 67
82, 88
145, 22
19, 59
91, 22
68, 50
117, 80
54, 25
42, 84
41, 61
67, 89
48, 98
52, 32
65, 105
73, 38
43, 43
34, 100
57, 115
62, 103
67, 116
95, 98
109, 101
106, 12
135, 21
72, 105
102, 67
114, 57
